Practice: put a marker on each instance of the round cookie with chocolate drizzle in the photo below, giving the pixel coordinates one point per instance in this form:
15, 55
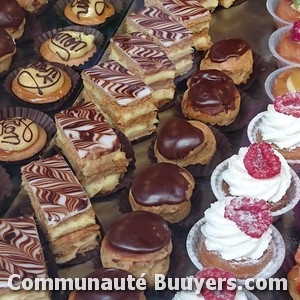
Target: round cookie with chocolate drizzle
138, 242
20, 138
231, 56
211, 97
164, 189
41, 82
89, 12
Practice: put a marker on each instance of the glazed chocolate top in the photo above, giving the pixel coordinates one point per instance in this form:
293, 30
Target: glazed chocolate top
212, 92
225, 49
159, 184
177, 138
7, 44
104, 273
11, 14
139, 232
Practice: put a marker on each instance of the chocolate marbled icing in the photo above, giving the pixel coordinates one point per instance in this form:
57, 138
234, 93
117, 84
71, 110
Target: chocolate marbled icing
160, 25
7, 44
20, 250
228, 48
87, 130
139, 232
143, 52
177, 138
159, 184
11, 14
211, 92
56, 188
113, 274
118, 82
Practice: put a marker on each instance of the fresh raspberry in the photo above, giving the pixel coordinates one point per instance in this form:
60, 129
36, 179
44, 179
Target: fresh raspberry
216, 273
288, 104
295, 32
252, 216
261, 162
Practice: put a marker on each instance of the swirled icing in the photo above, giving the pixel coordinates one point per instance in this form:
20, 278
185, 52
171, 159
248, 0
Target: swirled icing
160, 25
40, 78
224, 236
71, 44
87, 130
118, 82
17, 133
280, 129
144, 52
56, 188
242, 184
20, 249
88, 8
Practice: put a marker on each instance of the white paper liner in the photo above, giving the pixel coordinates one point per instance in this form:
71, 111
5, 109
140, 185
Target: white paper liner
271, 7
278, 251
293, 191
253, 129
272, 43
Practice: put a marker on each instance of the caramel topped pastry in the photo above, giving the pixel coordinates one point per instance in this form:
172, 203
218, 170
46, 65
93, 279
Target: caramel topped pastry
69, 47
20, 138
89, 12
41, 82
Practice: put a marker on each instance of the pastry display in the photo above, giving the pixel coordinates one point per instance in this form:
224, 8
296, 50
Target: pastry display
62, 208
22, 255
258, 172
184, 143
146, 60
211, 97
288, 10
192, 15
164, 189
41, 82
123, 98
89, 12
138, 242
92, 148
236, 236
32, 6
231, 56
293, 278
112, 274
12, 18
7, 50
69, 47
20, 138
171, 36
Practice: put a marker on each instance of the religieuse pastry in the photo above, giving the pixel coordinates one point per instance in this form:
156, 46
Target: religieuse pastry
20, 138
21, 254
32, 6
7, 50
231, 56
184, 143
288, 10
164, 189
211, 97
138, 242
102, 275
69, 47
62, 208
41, 82
12, 18
293, 278
89, 12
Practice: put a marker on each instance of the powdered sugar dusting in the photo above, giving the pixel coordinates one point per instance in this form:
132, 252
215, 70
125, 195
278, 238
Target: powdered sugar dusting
288, 104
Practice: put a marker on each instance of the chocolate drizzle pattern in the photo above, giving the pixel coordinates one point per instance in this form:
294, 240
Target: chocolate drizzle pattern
118, 82
144, 52
84, 5
50, 76
87, 130
161, 26
56, 188
20, 249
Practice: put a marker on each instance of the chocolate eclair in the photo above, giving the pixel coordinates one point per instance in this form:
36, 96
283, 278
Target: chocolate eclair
184, 143
211, 97
231, 56
7, 50
139, 242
